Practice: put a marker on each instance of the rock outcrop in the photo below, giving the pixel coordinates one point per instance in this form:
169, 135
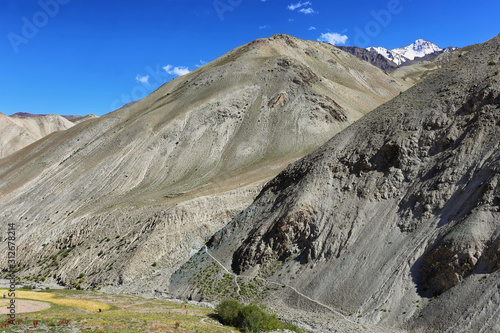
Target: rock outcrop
394, 222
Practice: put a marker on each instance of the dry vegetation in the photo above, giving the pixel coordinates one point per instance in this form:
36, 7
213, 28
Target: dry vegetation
75, 311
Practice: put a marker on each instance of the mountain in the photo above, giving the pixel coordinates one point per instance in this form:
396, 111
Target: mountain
33, 115
393, 224
414, 71
126, 198
372, 57
84, 118
419, 48
20, 131
392, 56
417, 51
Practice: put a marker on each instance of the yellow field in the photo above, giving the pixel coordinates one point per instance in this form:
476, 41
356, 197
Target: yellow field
50, 297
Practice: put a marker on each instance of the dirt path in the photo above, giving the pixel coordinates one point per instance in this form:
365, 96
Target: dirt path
279, 284
23, 306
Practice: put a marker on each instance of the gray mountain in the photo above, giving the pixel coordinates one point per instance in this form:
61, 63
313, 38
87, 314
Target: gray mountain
152, 182
388, 60
374, 58
392, 224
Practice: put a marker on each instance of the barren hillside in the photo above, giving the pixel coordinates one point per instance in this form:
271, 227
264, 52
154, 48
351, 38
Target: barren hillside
392, 224
19, 132
133, 194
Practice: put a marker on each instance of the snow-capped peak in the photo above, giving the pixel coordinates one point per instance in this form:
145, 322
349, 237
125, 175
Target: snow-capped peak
419, 48
396, 58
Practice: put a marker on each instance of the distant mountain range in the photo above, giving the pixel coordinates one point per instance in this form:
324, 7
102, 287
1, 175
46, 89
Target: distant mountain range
417, 51
33, 115
22, 129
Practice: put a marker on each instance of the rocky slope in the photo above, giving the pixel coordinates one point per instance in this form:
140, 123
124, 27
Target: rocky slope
417, 51
374, 58
84, 118
389, 60
131, 195
416, 70
19, 131
394, 222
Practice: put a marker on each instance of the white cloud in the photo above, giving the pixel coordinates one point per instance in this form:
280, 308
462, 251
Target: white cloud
143, 79
332, 38
264, 26
312, 28
307, 11
299, 4
179, 71
201, 63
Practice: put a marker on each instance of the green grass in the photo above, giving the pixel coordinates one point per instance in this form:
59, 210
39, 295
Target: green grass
124, 314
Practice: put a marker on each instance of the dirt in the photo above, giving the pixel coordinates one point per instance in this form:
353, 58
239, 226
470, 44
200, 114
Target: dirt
23, 306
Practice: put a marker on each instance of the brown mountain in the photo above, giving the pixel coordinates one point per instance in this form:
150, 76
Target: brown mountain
150, 183
393, 224
18, 131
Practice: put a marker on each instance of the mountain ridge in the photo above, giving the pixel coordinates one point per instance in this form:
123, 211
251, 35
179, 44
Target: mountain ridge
390, 222
19, 132
419, 50
150, 183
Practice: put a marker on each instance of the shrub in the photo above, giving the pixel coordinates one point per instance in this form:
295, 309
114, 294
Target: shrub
250, 318
228, 312
492, 63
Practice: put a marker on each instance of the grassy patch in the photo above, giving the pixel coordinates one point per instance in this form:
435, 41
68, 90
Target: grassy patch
70, 312
51, 297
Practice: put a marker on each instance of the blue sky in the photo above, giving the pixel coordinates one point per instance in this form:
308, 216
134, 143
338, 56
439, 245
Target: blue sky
89, 56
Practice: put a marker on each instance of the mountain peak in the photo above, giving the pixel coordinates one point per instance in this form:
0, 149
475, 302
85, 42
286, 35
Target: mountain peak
421, 41
419, 48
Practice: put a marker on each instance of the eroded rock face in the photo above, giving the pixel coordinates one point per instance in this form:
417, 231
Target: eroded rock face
291, 235
401, 206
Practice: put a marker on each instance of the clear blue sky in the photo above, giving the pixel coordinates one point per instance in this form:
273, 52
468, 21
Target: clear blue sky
91, 56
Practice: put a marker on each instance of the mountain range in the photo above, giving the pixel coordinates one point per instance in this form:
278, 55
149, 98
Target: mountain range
389, 60
418, 50
153, 181
286, 172
394, 222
